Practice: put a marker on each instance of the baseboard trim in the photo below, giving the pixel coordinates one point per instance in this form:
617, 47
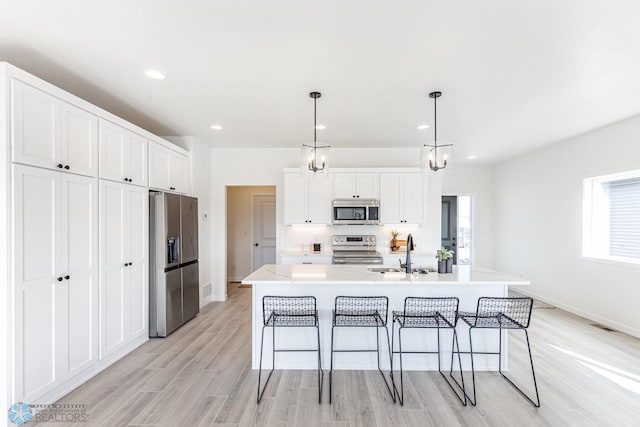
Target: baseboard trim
582, 313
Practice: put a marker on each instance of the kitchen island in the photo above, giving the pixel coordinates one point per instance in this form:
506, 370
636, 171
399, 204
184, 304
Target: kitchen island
325, 282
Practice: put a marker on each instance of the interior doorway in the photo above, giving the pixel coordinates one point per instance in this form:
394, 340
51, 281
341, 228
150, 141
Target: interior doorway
264, 231
456, 227
243, 226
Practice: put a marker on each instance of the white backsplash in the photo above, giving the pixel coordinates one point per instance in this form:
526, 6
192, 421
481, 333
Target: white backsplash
302, 237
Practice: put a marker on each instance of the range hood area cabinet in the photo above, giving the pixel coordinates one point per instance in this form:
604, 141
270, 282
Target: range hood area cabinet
358, 185
402, 198
307, 199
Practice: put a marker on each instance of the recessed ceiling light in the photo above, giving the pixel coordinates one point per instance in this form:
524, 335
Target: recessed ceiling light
321, 127
216, 127
154, 74
471, 157
423, 127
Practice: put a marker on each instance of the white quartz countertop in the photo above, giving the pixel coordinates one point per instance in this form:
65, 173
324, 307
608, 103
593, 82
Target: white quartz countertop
300, 274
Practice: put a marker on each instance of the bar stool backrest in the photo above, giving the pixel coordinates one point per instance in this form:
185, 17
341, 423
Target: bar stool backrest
442, 308
287, 306
512, 312
363, 306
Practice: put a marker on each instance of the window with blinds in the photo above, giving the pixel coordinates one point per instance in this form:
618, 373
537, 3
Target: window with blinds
611, 217
624, 217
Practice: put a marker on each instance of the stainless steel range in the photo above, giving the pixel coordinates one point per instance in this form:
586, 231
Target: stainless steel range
355, 249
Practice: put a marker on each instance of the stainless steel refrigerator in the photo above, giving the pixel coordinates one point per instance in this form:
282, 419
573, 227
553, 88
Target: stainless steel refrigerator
174, 288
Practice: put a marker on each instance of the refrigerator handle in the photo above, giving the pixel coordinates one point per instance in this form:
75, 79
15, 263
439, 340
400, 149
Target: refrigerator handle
173, 250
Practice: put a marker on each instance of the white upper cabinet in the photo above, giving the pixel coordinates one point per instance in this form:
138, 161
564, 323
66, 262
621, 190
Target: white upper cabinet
168, 169
123, 155
56, 270
307, 199
51, 133
363, 185
402, 198
178, 173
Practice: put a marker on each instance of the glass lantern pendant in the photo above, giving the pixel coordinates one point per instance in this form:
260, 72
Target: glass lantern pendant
315, 157
434, 156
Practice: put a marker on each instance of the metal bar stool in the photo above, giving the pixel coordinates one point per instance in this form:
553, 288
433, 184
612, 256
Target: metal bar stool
427, 313
361, 312
503, 314
289, 312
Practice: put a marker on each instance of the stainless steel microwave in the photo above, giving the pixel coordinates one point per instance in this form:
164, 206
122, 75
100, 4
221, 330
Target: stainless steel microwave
356, 211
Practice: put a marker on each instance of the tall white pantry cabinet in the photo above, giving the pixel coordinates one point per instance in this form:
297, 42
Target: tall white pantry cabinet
74, 254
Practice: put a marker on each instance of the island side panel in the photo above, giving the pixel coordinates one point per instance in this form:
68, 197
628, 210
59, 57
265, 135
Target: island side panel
362, 338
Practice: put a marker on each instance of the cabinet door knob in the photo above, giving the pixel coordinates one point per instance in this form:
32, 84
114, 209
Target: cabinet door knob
255, 244
59, 165
67, 167
59, 279
67, 277
130, 179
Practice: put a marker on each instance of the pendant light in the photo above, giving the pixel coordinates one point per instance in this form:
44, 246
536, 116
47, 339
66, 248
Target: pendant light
434, 156
315, 157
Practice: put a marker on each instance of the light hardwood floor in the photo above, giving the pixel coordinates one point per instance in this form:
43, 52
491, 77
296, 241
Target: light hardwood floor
201, 376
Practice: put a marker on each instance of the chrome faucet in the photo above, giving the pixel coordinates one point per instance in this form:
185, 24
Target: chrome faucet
407, 263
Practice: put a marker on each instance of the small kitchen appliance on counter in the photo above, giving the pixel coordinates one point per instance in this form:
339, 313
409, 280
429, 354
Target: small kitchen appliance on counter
355, 249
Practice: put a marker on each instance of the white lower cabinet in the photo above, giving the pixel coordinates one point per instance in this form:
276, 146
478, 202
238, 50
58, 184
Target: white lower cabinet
124, 260
56, 278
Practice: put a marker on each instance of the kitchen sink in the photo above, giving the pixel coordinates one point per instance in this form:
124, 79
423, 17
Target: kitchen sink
385, 270
382, 270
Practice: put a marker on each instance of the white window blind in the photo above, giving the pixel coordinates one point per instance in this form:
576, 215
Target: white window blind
624, 217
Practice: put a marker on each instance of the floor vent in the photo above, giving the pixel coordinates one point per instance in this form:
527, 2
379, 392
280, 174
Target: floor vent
206, 291
604, 328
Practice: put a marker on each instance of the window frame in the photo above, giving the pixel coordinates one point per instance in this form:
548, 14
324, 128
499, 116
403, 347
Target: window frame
595, 219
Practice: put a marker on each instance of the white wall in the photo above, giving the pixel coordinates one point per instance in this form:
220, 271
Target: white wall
476, 181
538, 218
240, 228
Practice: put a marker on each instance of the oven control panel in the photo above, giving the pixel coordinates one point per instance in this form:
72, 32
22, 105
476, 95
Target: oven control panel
368, 240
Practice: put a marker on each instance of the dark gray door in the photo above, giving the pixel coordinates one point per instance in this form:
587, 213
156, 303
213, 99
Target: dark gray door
450, 224
174, 300
189, 235
172, 227
190, 292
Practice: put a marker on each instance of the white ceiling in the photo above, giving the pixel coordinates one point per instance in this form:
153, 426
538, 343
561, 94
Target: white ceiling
514, 75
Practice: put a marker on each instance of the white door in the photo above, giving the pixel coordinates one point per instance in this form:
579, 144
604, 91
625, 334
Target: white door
413, 198
367, 185
35, 126
112, 151
136, 159
77, 342
78, 140
113, 256
264, 231
318, 199
295, 205
344, 186
137, 212
37, 272
390, 198
158, 167
178, 173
